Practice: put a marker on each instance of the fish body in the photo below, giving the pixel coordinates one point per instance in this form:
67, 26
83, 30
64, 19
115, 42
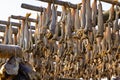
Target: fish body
10, 34
94, 13
6, 40
100, 19
26, 36
54, 20
48, 15
22, 33
68, 26
77, 19
83, 13
88, 26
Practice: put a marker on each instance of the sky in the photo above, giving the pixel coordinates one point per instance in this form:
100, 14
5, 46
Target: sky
13, 7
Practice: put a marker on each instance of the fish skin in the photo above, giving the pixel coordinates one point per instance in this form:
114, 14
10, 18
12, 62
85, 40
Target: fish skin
111, 13
73, 11
22, 33
83, 13
6, 40
18, 36
108, 36
54, 20
36, 30
62, 21
10, 35
77, 19
100, 20
43, 17
115, 23
48, 15
26, 36
94, 13
30, 38
68, 25
88, 26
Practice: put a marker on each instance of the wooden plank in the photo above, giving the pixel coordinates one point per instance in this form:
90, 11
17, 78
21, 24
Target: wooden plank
59, 2
13, 24
111, 2
6, 51
23, 18
36, 8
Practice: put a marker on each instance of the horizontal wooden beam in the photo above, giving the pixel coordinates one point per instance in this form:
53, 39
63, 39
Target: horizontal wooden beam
8, 23
6, 51
2, 29
23, 18
36, 8
13, 24
15, 30
111, 2
59, 2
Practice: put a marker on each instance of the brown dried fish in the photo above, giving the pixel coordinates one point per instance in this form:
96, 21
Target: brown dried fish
54, 19
100, 20
83, 13
115, 24
88, 26
68, 26
77, 19
94, 13
22, 33
48, 15
10, 41
111, 13
26, 34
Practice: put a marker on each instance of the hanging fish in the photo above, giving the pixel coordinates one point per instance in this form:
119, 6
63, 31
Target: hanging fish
94, 13
30, 38
88, 25
10, 34
62, 22
115, 24
77, 19
26, 34
83, 13
54, 20
18, 35
68, 26
111, 14
43, 17
73, 12
22, 33
57, 31
48, 15
100, 20
108, 36
14, 39
6, 35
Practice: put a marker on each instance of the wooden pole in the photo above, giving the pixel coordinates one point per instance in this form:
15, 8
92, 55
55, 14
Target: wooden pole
23, 18
74, 5
59, 2
15, 30
111, 2
6, 51
2, 29
13, 24
8, 23
36, 8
